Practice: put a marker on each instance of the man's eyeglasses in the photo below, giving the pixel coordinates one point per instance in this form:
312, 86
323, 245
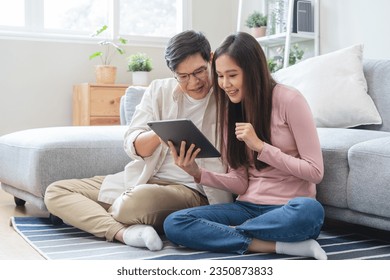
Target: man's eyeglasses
199, 73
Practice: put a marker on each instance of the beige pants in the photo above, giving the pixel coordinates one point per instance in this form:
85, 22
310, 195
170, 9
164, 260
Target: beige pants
75, 202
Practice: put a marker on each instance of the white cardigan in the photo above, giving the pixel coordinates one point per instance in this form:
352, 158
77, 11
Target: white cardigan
160, 102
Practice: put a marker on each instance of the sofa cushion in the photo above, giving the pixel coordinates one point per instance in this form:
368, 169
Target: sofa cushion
335, 144
368, 187
129, 101
335, 88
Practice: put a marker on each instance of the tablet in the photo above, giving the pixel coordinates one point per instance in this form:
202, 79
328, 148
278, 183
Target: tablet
184, 130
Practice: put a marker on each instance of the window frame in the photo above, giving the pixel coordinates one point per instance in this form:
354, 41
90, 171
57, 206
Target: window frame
34, 27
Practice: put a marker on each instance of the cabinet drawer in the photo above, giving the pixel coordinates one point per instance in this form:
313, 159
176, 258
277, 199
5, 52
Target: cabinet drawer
104, 121
97, 104
105, 102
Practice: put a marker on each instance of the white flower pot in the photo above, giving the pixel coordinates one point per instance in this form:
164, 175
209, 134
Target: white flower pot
258, 32
140, 78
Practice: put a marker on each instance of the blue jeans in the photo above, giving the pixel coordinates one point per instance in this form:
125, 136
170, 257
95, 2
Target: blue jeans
231, 227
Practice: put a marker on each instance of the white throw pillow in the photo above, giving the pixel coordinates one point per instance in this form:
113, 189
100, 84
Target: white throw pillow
335, 88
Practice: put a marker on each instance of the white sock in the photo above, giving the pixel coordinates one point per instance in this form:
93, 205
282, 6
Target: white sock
307, 248
142, 236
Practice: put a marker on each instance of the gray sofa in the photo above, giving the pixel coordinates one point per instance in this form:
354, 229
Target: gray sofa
356, 183
32, 159
355, 188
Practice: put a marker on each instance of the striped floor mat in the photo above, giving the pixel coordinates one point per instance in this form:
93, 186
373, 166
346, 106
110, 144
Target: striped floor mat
65, 242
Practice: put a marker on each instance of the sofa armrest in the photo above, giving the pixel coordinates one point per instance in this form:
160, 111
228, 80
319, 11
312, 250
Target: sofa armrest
33, 159
369, 177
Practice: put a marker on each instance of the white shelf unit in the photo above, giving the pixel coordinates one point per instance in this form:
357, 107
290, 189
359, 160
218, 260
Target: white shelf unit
279, 39
288, 38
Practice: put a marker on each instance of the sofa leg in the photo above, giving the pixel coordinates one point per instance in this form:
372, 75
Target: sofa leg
19, 202
55, 220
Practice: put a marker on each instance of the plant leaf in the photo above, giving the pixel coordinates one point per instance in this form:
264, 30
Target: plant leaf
99, 31
96, 54
109, 47
118, 48
123, 41
104, 42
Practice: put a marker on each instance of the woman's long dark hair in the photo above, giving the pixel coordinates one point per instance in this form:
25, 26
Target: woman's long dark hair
256, 105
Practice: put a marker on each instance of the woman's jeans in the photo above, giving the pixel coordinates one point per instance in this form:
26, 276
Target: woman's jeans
231, 227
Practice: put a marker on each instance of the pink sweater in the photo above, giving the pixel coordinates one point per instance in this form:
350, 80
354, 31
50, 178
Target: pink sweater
294, 158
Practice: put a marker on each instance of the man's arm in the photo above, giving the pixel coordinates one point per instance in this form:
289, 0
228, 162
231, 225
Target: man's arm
146, 143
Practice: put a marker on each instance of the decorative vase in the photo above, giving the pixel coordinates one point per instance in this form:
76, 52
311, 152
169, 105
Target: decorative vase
140, 78
105, 74
258, 32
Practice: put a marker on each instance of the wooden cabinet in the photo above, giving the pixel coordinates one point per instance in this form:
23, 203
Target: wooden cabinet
97, 104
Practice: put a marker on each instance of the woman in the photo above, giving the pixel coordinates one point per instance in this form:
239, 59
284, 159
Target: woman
272, 149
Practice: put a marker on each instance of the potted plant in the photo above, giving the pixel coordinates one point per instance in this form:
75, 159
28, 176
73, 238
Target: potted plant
276, 63
139, 64
257, 22
105, 72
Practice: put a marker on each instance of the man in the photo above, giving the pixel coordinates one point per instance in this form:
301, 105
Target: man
131, 206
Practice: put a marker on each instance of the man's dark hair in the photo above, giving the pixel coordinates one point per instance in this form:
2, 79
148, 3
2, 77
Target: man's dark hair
184, 44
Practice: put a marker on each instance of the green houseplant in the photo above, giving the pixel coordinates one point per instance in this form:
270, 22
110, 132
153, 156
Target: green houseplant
105, 72
139, 64
276, 62
257, 22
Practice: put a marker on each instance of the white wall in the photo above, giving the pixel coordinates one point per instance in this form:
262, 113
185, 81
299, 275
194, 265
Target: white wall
347, 22
36, 78
215, 18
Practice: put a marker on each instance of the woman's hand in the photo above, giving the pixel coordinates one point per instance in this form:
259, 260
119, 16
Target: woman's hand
186, 159
245, 132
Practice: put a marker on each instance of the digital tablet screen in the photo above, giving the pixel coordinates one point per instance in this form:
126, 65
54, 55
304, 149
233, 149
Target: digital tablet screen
184, 130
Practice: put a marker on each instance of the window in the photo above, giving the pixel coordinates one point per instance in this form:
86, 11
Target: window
139, 21
150, 18
12, 13
76, 16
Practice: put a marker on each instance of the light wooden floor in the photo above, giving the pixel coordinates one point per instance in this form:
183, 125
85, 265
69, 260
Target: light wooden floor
12, 245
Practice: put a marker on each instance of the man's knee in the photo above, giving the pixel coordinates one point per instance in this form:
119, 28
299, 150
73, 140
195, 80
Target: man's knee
133, 205
61, 189
52, 191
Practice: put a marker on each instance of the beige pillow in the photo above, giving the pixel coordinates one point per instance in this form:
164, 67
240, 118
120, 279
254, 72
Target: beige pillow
335, 88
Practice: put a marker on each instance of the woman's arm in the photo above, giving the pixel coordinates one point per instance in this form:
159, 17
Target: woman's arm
235, 180
308, 165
